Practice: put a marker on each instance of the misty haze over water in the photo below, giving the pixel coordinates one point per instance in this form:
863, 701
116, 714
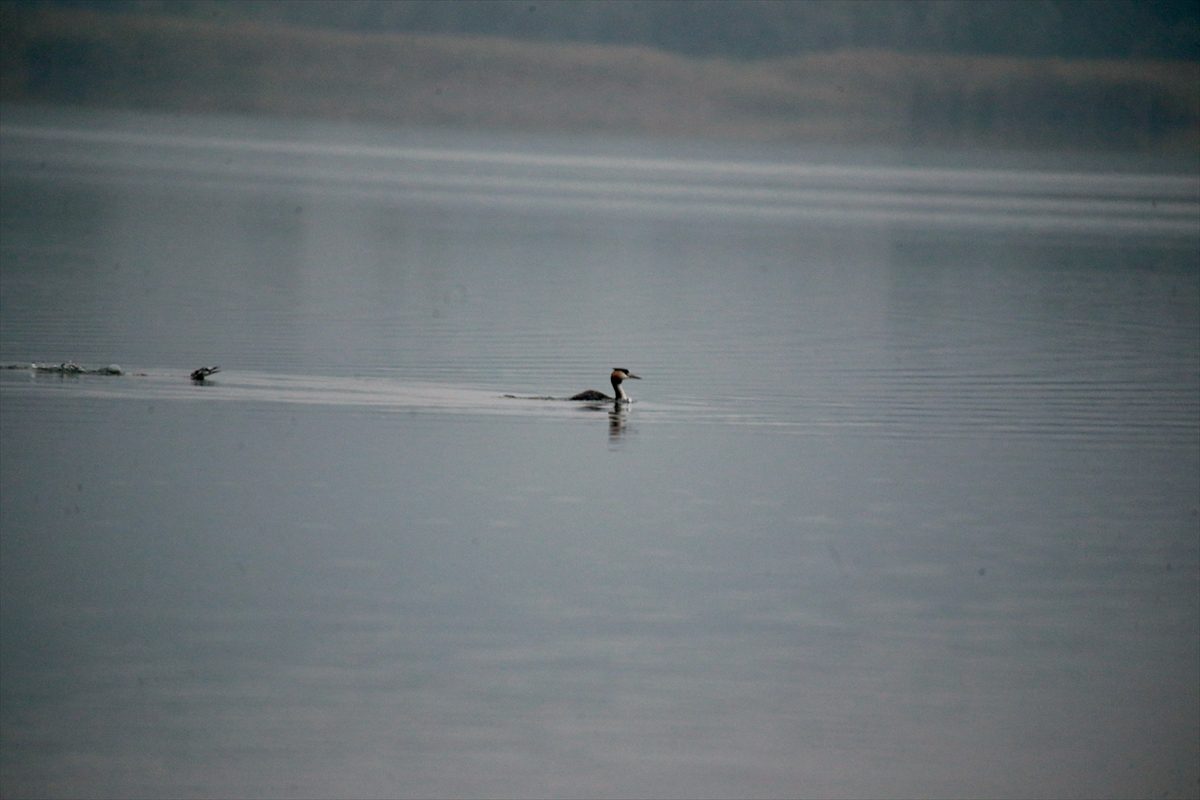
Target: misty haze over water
905, 505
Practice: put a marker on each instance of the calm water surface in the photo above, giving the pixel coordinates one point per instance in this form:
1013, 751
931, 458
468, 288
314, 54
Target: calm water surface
906, 505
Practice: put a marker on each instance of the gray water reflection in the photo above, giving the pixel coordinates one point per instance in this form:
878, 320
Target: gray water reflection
903, 507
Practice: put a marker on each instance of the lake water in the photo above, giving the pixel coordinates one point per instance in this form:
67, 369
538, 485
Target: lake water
907, 504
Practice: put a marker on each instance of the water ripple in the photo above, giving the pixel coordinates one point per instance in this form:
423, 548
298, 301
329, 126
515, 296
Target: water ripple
913, 407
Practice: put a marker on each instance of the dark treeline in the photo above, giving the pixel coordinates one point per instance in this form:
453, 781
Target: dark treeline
1095, 29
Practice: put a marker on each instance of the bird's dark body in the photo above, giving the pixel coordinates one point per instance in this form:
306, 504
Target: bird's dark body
591, 395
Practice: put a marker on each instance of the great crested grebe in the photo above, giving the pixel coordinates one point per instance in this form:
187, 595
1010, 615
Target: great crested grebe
618, 374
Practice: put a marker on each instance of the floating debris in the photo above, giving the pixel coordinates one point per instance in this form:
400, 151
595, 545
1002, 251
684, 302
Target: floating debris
200, 374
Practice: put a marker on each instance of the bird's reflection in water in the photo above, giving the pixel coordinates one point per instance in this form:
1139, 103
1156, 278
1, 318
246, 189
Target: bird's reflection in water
618, 416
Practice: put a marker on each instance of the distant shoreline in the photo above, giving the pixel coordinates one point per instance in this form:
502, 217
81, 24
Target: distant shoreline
77, 57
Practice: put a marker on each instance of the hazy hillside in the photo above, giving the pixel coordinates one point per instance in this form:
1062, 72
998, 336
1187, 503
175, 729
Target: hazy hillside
1105, 29
58, 54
